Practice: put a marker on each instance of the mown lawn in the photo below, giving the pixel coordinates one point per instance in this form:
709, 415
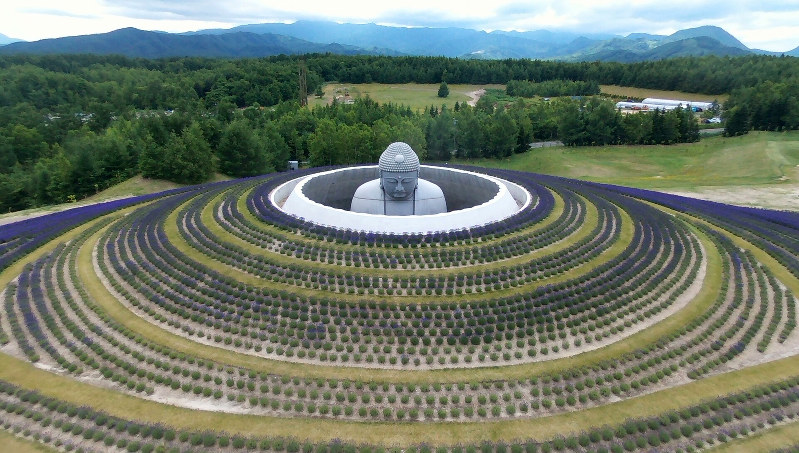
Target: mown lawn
759, 158
417, 96
634, 92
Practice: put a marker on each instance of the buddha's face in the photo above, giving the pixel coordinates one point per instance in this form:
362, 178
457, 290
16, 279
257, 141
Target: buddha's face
399, 186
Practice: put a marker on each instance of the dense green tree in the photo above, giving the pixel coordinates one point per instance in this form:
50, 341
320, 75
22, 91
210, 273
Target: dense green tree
688, 126
470, 136
240, 152
323, 145
13, 187
519, 113
484, 105
443, 90
151, 163
50, 182
601, 123
543, 121
501, 135
737, 121
665, 127
193, 160
83, 177
276, 149
296, 127
636, 128
27, 143
7, 156
440, 136
571, 124
551, 88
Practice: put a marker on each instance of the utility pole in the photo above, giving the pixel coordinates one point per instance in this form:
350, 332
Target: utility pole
303, 75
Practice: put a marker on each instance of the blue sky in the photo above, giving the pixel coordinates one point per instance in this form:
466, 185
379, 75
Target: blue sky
765, 25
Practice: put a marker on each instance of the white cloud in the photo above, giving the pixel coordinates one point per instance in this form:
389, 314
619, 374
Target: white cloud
757, 24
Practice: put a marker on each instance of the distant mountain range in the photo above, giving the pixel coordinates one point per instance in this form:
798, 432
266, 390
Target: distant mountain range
133, 42
301, 37
7, 40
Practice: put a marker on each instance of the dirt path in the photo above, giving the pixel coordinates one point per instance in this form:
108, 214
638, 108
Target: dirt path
475, 95
783, 197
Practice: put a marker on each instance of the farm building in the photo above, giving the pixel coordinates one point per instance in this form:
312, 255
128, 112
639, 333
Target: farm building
663, 105
644, 106
696, 105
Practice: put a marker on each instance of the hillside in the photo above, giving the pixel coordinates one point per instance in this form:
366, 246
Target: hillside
257, 40
147, 44
643, 49
707, 31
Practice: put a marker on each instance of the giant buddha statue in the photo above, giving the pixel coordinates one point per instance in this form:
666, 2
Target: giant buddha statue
399, 191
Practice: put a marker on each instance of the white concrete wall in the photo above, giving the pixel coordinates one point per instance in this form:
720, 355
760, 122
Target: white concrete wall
509, 199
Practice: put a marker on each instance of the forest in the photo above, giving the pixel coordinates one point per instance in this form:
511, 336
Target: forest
71, 126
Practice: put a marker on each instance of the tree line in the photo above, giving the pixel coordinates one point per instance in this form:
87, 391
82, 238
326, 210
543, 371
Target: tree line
73, 125
551, 88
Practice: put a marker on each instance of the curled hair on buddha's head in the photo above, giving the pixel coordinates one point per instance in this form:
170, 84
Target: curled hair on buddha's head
398, 157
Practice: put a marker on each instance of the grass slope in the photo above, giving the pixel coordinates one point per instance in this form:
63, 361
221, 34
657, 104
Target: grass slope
417, 96
633, 92
12, 443
135, 186
759, 158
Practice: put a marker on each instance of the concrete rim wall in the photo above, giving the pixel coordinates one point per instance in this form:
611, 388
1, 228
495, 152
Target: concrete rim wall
324, 198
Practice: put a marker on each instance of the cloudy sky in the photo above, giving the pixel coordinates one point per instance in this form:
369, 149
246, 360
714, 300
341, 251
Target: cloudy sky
769, 25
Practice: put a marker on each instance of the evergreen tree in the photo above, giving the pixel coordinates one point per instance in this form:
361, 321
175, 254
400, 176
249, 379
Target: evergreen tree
240, 153
84, 172
275, 147
689, 128
470, 134
443, 90
737, 121
151, 162
501, 135
194, 162
571, 126
441, 136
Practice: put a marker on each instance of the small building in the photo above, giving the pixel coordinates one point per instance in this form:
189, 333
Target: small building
293, 165
696, 106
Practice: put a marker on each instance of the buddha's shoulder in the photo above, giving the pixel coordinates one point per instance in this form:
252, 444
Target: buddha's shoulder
428, 188
369, 187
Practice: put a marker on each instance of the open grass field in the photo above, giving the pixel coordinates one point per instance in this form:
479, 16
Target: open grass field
416, 96
641, 93
421, 96
756, 159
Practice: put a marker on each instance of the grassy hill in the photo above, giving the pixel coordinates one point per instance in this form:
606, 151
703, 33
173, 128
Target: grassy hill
760, 158
132, 187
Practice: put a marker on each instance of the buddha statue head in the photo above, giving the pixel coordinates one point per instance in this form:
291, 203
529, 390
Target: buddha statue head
399, 171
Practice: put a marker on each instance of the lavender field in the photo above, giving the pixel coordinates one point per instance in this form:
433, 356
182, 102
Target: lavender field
598, 319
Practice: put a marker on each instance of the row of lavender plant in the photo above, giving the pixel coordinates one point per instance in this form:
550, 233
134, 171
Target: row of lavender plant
20, 238
64, 425
452, 407
164, 265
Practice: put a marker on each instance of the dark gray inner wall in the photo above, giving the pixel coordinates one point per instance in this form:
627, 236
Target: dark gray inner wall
461, 190
336, 189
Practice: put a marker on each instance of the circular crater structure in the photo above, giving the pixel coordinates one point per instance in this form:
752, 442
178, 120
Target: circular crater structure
473, 199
